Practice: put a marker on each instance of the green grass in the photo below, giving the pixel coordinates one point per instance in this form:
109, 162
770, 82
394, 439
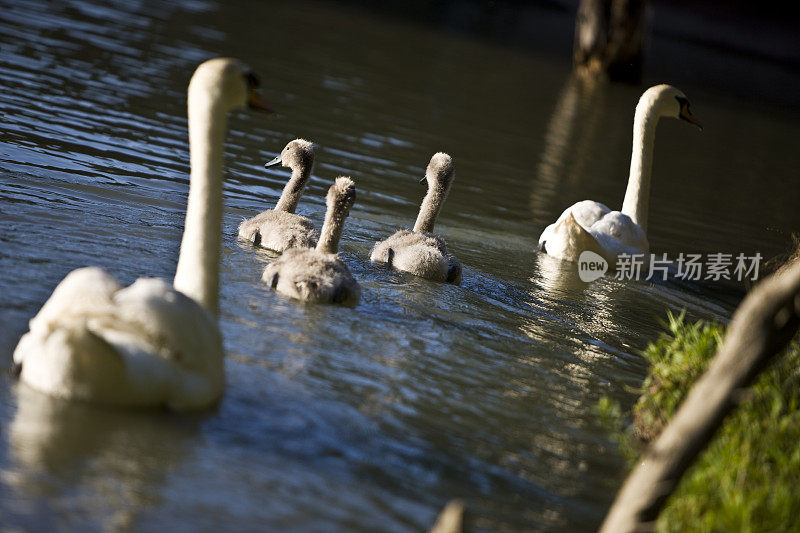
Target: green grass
748, 479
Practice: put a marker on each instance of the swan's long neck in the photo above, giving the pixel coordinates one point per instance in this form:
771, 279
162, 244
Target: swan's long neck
294, 189
331, 230
637, 195
197, 275
429, 210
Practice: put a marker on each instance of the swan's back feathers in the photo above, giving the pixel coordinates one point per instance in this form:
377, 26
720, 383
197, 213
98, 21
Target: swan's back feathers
170, 324
587, 213
143, 345
422, 254
279, 231
592, 226
617, 234
312, 276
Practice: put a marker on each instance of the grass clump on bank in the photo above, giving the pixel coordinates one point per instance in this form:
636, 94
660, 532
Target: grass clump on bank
746, 479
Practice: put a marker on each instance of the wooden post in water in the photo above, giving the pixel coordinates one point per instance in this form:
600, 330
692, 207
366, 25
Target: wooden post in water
608, 39
762, 326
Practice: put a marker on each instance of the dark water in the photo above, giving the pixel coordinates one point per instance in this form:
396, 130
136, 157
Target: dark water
364, 419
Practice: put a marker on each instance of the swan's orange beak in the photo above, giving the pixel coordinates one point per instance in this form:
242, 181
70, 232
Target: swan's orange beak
254, 101
687, 116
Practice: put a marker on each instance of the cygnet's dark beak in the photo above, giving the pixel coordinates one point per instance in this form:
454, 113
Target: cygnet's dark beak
423, 179
276, 161
16, 370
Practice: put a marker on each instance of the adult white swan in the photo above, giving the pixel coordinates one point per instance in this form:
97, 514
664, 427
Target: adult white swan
152, 343
590, 225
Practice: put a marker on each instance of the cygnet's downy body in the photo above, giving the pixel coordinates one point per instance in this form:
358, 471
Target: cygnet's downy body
318, 275
280, 228
420, 251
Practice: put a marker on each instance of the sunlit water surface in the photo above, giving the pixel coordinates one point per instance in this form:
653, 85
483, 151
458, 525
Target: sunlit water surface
363, 419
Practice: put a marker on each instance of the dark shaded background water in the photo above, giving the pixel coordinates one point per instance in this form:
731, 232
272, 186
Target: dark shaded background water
370, 418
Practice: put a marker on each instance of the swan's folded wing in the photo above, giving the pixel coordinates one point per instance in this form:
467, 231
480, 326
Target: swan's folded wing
166, 323
617, 234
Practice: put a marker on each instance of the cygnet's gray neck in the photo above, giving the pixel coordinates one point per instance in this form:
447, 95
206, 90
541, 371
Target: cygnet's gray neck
294, 188
332, 230
431, 205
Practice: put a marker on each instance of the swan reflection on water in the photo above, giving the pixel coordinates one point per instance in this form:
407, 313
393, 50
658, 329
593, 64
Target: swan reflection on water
116, 459
579, 120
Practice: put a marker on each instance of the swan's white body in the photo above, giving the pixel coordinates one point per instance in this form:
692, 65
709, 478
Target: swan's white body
280, 229
590, 225
142, 345
149, 344
319, 275
419, 251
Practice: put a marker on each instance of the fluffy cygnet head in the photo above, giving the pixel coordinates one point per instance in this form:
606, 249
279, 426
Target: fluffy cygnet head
227, 82
440, 171
298, 154
440, 174
667, 101
341, 196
